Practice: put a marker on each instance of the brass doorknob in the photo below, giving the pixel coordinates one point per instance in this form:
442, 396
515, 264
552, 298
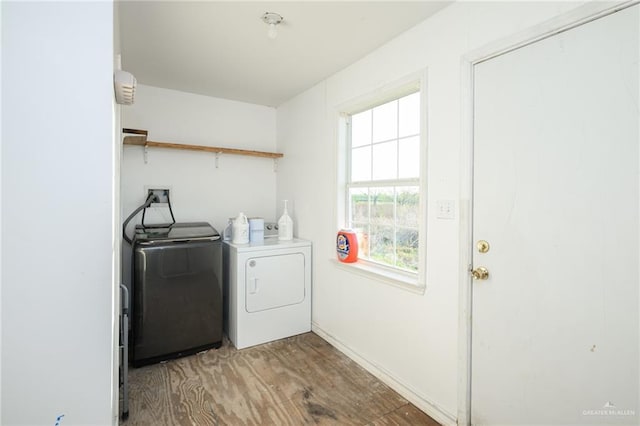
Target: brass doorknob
482, 246
480, 273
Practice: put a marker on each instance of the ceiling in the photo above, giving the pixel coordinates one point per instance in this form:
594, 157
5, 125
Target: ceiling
221, 49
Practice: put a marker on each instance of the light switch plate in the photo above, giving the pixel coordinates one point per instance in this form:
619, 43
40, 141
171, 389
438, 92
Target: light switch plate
446, 209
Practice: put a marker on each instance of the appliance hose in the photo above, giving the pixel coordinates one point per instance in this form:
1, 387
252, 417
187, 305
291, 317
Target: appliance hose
150, 199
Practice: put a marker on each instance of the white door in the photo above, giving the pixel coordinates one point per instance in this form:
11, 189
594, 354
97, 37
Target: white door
556, 197
274, 281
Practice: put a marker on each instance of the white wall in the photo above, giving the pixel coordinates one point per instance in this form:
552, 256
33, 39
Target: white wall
409, 339
199, 190
1, 244
57, 213
117, 220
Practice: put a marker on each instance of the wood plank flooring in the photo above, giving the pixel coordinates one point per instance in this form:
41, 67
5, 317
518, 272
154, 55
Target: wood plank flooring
301, 380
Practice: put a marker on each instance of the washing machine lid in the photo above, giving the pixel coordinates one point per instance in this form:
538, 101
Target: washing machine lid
176, 232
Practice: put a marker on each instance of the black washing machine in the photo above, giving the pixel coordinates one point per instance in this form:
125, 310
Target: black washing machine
177, 291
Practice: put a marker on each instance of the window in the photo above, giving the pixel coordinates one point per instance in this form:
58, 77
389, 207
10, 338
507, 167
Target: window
383, 182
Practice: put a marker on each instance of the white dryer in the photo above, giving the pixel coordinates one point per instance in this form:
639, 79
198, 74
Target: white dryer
267, 290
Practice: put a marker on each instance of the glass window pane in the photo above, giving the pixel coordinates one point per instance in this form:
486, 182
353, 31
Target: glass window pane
407, 206
385, 122
361, 129
385, 146
382, 206
409, 157
385, 160
361, 164
407, 249
358, 205
381, 243
409, 111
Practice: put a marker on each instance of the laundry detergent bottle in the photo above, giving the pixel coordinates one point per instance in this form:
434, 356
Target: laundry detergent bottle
240, 234
347, 246
285, 225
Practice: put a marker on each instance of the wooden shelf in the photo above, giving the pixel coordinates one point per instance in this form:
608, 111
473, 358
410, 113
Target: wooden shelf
141, 140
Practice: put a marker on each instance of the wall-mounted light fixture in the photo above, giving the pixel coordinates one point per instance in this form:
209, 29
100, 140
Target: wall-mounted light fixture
272, 19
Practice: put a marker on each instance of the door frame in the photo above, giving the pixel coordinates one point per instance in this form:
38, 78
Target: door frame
572, 19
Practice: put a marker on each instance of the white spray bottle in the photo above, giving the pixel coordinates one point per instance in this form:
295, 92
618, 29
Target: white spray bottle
285, 225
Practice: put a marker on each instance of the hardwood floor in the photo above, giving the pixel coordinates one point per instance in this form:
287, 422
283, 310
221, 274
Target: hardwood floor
301, 380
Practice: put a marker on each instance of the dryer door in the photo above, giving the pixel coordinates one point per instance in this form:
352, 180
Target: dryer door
274, 281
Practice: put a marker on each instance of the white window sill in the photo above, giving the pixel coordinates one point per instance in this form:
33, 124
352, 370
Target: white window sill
395, 279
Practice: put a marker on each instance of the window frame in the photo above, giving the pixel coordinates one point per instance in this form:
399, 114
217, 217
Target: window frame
412, 281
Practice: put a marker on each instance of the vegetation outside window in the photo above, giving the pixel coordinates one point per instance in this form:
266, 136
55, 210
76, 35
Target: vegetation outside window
383, 182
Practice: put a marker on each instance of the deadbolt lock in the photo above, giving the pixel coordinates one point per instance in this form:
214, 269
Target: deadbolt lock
480, 273
482, 246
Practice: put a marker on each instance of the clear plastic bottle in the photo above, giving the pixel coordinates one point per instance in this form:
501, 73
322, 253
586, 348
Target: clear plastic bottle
285, 225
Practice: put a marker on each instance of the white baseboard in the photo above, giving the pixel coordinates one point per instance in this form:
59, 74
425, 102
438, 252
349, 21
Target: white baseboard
433, 410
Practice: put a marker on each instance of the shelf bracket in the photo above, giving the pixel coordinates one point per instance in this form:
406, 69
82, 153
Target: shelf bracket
218, 160
275, 165
146, 153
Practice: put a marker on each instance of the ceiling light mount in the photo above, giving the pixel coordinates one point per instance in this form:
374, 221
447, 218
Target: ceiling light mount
273, 20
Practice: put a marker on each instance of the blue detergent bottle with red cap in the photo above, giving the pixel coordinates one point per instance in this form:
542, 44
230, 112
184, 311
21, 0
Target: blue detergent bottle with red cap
347, 246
